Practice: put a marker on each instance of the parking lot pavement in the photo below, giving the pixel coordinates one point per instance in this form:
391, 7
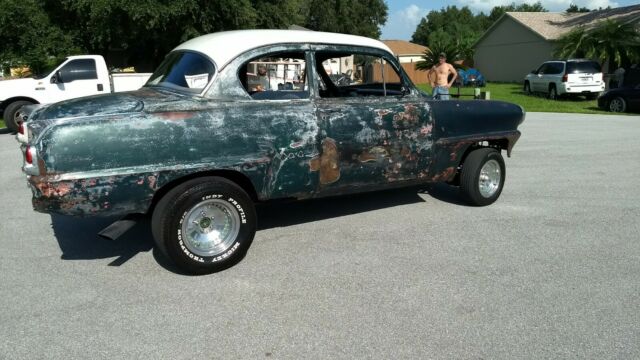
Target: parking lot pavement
552, 270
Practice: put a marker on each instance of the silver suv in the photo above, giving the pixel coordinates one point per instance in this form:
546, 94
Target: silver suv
570, 77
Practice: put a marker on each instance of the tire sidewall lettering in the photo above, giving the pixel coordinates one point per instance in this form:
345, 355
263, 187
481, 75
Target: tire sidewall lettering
225, 255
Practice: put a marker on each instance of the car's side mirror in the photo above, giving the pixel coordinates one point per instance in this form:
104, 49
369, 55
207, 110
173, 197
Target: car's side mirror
56, 78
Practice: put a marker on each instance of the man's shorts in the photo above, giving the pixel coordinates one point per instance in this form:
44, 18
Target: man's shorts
440, 93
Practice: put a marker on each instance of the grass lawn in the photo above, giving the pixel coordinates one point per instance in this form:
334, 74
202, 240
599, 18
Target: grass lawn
2, 123
513, 93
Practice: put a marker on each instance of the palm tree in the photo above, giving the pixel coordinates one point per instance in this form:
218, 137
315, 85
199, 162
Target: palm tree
609, 41
452, 50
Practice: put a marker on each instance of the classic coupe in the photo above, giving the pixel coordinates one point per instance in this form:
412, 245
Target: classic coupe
235, 118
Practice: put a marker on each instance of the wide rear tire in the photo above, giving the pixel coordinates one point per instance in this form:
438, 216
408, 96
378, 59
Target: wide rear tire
482, 176
204, 225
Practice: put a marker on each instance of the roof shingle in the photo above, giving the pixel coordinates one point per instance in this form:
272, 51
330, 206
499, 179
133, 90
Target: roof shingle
401, 47
552, 25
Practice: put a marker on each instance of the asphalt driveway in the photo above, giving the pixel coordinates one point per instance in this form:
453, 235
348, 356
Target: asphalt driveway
552, 270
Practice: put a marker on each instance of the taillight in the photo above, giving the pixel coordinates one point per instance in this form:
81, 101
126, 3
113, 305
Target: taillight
565, 77
28, 157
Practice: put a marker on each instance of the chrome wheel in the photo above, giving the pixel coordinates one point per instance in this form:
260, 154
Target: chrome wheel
553, 93
210, 227
490, 177
617, 105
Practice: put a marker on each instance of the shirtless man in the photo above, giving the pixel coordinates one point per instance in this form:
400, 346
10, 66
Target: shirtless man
441, 85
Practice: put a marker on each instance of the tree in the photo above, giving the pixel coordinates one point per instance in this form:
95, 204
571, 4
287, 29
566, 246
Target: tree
611, 42
29, 37
452, 22
573, 8
431, 55
498, 11
357, 17
141, 33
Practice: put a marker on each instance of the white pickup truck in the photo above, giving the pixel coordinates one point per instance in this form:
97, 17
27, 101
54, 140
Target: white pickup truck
74, 77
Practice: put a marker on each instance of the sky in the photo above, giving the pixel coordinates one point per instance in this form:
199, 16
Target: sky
404, 15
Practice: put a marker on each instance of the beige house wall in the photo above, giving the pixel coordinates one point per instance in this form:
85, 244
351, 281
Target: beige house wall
510, 51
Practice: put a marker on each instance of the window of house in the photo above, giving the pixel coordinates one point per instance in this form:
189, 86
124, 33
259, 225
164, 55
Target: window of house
279, 76
356, 75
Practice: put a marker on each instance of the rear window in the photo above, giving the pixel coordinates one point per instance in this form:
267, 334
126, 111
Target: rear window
583, 67
186, 71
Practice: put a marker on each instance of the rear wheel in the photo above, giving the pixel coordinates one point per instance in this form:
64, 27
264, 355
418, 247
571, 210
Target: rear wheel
553, 93
618, 105
10, 114
204, 225
482, 177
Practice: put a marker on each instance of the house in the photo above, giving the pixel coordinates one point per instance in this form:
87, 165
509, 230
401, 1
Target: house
519, 42
405, 51
408, 54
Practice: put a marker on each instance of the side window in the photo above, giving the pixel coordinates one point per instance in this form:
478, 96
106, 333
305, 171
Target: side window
278, 76
544, 69
356, 75
556, 68
80, 69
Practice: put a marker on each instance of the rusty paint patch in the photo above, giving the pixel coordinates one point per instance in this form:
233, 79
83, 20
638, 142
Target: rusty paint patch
373, 154
176, 115
327, 162
445, 175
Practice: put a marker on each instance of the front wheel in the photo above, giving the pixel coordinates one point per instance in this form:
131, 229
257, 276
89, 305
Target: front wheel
482, 177
527, 88
204, 225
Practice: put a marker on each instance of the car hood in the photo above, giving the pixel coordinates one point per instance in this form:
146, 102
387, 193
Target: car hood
9, 88
107, 104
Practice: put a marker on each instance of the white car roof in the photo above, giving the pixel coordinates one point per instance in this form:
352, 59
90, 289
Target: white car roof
223, 47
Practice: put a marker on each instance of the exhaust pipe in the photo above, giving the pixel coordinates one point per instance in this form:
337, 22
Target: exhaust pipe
118, 228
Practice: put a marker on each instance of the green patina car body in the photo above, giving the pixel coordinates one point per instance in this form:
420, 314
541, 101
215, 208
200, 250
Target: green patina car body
119, 153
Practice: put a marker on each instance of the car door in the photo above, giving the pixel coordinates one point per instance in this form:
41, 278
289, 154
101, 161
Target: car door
634, 98
374, 133
275, 123
554, 74
75, 78
537, 81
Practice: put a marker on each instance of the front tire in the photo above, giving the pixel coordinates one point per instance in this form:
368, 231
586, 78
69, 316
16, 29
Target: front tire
10, 112
482, 177
527, 88
618, 105
204, 225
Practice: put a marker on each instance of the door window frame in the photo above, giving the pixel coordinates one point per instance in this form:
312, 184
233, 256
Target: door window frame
405, 82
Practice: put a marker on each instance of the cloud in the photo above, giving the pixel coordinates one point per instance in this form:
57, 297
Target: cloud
402, 23
551, 5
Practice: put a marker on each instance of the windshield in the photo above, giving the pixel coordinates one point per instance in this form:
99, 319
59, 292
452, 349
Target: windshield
47, 70
185, 71
583, 67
